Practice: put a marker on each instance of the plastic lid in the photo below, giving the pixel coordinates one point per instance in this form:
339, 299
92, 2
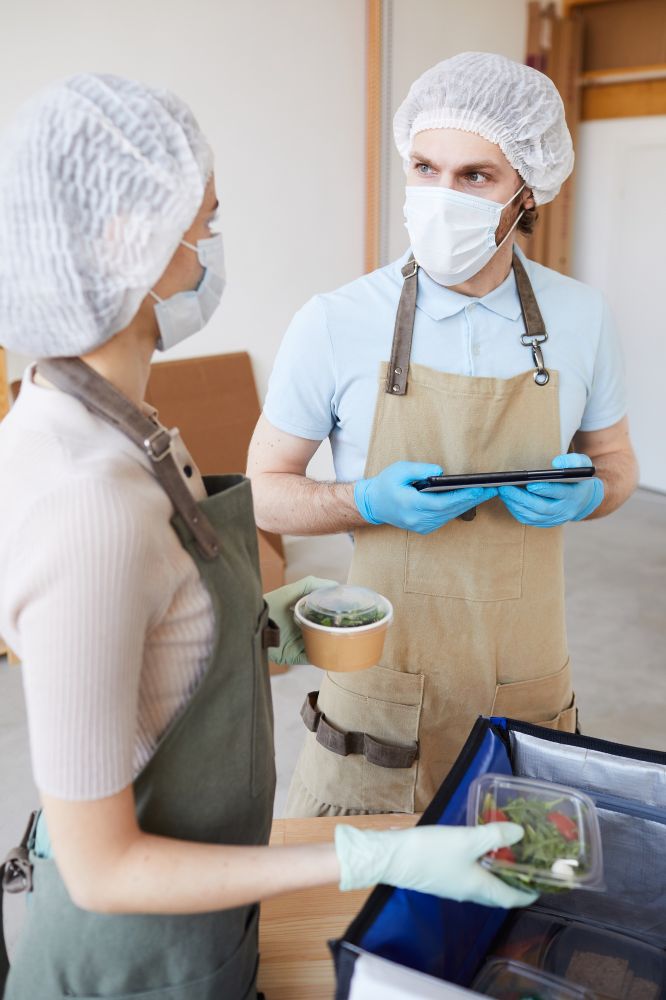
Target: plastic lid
505, 978
561, 848
344, 607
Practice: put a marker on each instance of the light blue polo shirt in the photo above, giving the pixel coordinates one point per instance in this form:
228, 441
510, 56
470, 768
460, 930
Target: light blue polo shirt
324, 382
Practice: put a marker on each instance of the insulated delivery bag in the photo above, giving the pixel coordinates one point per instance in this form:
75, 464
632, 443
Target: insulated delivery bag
611, 942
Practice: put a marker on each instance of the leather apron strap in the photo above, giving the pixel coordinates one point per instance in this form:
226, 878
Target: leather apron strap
401, 349
75, 377
350, 742
535, 329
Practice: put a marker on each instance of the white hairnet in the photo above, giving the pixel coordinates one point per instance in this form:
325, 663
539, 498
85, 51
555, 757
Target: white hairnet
503, 101
99, 179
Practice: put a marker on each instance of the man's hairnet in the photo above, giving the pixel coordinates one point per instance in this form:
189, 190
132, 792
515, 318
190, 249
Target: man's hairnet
503, 101
99, 179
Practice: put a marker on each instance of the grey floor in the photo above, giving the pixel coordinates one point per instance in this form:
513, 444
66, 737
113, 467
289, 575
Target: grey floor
616, 608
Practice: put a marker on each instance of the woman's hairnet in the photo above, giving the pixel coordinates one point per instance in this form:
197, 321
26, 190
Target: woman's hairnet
99, 179
503, 101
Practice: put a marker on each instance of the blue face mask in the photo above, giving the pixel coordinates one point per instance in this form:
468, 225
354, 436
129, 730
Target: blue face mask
186, 313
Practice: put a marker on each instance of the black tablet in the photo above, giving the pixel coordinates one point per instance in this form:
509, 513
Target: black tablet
437, 484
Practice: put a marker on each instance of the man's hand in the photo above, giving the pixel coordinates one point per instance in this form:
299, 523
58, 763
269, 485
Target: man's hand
546, 505
389, 498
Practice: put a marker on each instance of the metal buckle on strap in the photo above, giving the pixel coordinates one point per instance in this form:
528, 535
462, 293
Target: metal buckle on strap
527, 339
410, 269
17, 871
151, 444
17, 866
541, 375
344, 744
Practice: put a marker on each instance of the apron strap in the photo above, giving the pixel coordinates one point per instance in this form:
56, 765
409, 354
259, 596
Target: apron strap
346, 743
396, 379
535, 328
75, 377
534, 324
401, 349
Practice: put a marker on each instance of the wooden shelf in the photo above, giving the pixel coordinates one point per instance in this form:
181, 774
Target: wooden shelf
569, 5
624, 100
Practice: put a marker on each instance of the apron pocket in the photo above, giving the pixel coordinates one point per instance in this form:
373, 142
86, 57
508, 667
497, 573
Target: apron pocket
263, 746
545, 701
385, 704
479, 560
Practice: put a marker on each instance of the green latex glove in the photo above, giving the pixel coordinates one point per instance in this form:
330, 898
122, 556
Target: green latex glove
281, 609
441, 860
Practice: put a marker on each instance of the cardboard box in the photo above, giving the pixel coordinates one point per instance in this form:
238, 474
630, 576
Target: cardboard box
214, 403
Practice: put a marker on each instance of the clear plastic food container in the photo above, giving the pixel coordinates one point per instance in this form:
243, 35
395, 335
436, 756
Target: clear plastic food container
561, 848
344, 627
507, 980
614, 966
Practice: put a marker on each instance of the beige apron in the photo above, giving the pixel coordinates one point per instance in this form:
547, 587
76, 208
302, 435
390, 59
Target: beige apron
479, 623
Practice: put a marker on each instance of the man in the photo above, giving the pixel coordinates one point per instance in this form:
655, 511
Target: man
496, 363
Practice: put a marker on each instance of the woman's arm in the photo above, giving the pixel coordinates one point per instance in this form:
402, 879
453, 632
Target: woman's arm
109, 865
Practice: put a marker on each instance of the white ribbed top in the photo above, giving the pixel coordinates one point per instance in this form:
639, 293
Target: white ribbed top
97, 596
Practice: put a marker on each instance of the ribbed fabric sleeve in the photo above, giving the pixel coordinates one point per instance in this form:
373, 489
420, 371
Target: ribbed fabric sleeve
83, 609
97, 595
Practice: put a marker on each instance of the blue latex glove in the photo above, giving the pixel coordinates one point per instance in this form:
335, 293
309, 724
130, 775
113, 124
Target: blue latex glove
388, 498
441, 860
545, 505
281, 609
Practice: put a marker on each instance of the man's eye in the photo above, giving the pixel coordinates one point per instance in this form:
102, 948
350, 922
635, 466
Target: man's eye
476, 178
423, 168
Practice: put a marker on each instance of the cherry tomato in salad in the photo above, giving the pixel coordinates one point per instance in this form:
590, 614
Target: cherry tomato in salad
494, 816
564, 824
503, 854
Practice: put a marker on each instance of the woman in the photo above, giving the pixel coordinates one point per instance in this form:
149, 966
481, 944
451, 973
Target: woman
131, 589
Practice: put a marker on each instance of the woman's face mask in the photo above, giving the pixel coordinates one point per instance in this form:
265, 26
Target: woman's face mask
452, 234
186, 313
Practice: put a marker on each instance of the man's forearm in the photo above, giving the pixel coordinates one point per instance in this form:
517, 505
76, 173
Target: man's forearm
619, 474
295, 505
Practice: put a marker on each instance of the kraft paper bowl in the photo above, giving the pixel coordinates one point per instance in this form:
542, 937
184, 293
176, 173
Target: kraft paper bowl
344, 649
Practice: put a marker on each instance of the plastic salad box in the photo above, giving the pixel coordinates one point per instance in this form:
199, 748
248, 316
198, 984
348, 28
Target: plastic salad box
561, 848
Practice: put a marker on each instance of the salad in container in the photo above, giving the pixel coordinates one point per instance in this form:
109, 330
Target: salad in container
561, 848
344, 627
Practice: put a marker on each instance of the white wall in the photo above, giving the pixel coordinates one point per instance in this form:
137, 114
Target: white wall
620, 222
278, 88
425, 33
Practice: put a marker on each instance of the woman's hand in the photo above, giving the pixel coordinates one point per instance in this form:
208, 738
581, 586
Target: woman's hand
441, 860
281, 604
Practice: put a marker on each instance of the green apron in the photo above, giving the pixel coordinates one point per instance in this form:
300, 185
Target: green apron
211, 778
